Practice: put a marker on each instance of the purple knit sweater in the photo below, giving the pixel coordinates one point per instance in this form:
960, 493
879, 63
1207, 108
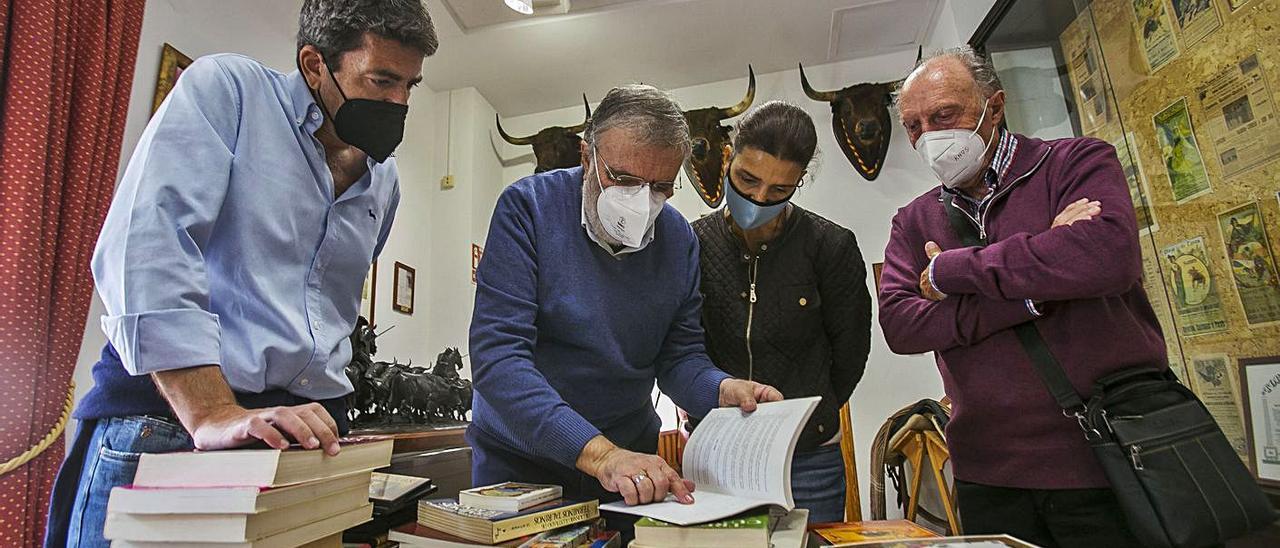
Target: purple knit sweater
1006, 429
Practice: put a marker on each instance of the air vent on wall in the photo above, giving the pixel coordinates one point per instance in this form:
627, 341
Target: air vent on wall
881, 27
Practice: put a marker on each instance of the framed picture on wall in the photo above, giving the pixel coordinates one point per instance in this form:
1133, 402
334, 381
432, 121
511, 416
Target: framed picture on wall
402, 292
875, 270
172, 63
1260, 394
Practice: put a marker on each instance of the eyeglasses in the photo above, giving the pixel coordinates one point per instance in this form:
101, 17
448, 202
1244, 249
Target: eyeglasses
662, 187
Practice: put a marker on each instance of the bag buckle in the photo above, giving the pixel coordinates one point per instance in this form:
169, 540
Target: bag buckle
1090, 433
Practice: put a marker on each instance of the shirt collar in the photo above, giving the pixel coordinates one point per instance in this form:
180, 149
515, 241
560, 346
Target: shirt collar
306, 112
998, 169
1003, 158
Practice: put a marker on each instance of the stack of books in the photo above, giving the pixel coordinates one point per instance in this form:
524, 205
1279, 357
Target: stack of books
756, 529
258, 498
507, 514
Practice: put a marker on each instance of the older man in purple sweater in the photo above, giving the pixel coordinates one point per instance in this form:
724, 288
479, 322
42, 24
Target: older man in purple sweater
1062, 251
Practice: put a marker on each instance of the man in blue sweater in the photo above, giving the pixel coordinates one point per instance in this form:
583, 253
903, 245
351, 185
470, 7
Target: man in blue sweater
587, 294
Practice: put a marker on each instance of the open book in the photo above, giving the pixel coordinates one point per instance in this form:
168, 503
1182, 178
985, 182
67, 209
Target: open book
737, 461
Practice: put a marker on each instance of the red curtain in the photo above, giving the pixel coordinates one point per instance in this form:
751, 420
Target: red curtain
66, 69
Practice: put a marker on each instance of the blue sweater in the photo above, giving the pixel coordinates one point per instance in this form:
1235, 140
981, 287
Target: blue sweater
567, 340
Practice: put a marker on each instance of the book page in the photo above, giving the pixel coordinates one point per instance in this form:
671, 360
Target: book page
737, 461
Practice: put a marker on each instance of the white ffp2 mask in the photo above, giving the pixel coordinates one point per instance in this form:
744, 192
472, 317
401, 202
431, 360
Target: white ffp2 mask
954, 155
627, 212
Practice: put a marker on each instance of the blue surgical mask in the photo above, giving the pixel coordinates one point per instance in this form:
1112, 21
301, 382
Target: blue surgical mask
748, 213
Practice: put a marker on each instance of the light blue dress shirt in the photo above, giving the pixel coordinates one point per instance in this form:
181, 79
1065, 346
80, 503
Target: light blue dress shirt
225, 244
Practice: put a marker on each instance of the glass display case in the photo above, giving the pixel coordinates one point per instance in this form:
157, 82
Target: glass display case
1184, 90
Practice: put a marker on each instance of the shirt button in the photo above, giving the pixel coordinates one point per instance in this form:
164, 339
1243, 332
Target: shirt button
315, 115
315, 325
821, 429
764, 247
305, 382
746, 257
804, 301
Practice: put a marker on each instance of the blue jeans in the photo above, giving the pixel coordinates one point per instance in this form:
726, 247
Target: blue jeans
817, 483
104, 455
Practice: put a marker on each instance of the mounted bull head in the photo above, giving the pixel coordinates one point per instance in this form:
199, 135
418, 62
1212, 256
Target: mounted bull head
554, 147
860, 119
709, 162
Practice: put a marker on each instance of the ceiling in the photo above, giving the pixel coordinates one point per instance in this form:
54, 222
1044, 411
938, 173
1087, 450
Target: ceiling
526, 64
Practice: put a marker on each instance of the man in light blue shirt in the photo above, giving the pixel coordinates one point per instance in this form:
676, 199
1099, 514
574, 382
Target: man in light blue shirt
233, 255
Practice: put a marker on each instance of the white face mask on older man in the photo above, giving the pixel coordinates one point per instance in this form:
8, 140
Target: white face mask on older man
955, 155
626, 212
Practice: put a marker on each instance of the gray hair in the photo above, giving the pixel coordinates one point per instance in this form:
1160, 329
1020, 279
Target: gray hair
979, 65
651, 115
337, 26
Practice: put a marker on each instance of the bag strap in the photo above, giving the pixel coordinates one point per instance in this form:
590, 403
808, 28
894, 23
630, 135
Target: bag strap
1042, 360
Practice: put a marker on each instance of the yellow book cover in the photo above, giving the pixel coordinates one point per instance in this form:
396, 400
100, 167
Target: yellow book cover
873, 530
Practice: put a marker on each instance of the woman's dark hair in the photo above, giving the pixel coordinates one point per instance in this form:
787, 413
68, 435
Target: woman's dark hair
337, 26
780, 129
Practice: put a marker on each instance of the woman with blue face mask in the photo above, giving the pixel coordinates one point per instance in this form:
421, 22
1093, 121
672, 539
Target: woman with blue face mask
785, 295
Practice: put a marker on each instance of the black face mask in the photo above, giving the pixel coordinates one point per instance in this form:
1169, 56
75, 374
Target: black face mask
375, 127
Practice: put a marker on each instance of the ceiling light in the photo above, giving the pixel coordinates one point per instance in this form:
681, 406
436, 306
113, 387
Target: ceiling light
522, 6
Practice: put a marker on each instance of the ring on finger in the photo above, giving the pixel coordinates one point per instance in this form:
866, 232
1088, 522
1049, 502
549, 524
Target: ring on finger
639, 478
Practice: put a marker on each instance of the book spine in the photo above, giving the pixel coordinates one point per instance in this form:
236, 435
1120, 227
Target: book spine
560, 517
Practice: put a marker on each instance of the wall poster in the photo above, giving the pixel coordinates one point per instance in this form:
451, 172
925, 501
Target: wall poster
1236, 4
1155, 33
1241, 117
1138, 190
1196, 19
1195, 292
1214, 380
1253, 266
1181, 153
1260, 388
1088, 82
1157, 294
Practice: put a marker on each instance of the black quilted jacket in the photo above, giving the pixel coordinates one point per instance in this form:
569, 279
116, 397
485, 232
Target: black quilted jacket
810, 327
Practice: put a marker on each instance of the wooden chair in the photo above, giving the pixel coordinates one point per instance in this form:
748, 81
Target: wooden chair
671, 447
924, 448
852, 496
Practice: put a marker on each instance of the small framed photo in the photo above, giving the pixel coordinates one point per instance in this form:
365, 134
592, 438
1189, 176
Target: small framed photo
172, 63
402, 292
876, 268
1260, 392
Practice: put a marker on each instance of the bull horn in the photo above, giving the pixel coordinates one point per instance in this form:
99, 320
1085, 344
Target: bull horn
742, 106
583, 126
825, 96
508, 138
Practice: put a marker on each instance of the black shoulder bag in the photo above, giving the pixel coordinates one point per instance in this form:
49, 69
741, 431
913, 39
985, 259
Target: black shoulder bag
1176, 477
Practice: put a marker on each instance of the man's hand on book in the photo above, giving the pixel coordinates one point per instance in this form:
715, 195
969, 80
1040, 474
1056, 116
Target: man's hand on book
746, 394
234, 426
639, 478
203, 401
